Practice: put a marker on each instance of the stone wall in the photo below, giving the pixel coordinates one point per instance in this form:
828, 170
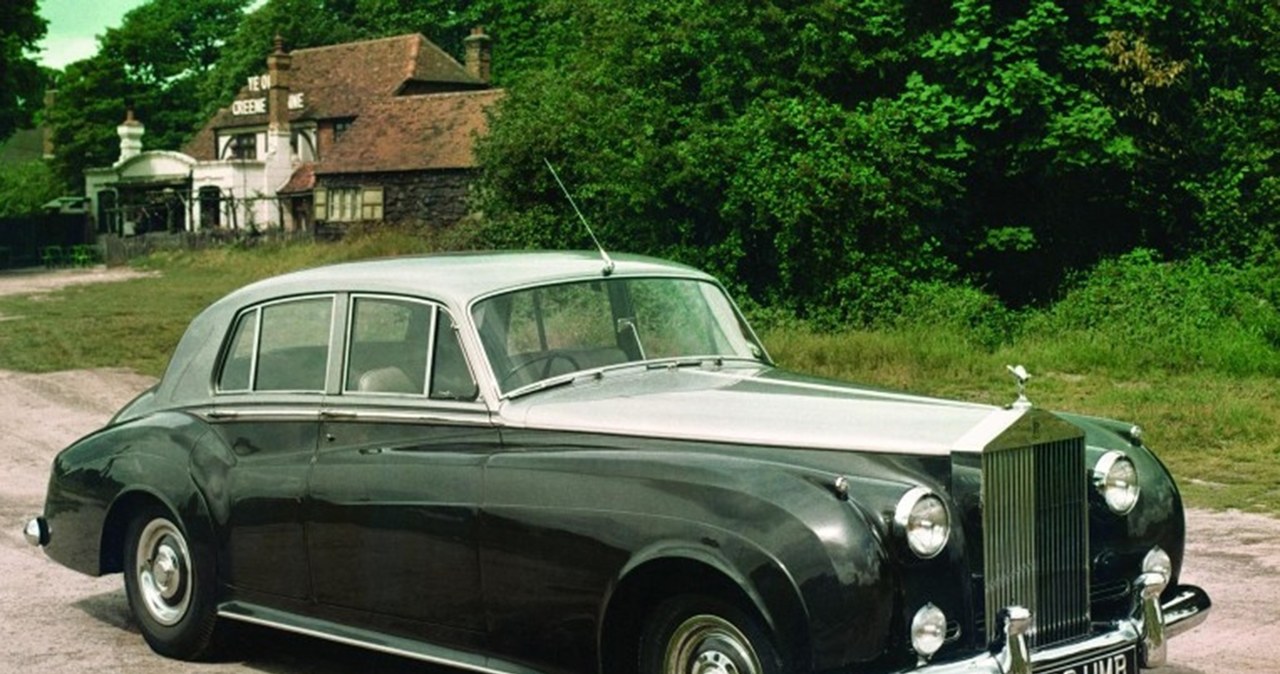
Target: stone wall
435, 198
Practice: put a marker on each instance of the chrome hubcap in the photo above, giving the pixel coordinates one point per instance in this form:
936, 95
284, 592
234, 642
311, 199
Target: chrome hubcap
164, 572
708, 644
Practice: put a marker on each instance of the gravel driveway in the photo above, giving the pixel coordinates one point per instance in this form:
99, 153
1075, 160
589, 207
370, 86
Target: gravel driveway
55, 621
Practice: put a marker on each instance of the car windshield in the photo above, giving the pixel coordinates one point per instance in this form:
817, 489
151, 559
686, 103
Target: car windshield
540, 333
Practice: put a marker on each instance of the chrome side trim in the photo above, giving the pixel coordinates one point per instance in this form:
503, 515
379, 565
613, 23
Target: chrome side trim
243, 413
367, 639
479, 418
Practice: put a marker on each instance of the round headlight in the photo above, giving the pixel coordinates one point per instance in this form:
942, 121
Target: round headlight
1116, 479
928, 630
922, 518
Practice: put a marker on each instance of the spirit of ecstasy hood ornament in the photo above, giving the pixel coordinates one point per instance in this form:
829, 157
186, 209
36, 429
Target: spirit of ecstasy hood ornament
1022, 376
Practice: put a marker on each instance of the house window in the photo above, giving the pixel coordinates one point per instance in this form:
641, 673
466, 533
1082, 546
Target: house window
348, 204
344, 204
340, 128
243, 146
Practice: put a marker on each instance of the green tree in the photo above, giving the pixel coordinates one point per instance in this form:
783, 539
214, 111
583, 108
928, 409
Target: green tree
25, 187
826, 153
727, 136
300, 23
90, 104
21, 81
154, 62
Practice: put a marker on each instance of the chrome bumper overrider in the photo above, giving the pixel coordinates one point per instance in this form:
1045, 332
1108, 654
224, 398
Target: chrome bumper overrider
1149, 628
36, 531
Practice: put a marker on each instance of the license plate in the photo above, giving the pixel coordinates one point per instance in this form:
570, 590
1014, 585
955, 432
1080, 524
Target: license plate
1115, 662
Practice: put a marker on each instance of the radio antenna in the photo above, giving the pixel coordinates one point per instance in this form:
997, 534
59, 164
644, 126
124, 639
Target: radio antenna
608, 261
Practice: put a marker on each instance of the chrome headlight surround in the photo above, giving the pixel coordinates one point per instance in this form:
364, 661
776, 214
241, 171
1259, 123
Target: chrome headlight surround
922, 519
928, 630
1116, 479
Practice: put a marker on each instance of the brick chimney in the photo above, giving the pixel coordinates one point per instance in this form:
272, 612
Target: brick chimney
478, 54
278, 65
130, 132
278, 165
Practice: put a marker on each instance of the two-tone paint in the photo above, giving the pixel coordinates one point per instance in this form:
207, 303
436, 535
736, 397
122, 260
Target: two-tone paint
530, 533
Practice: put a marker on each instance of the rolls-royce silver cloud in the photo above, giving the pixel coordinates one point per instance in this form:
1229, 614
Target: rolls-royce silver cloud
558, 462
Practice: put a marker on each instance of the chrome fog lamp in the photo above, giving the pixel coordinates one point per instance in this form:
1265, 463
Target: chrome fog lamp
928, 630
921, 517
1157, 561
1116, 479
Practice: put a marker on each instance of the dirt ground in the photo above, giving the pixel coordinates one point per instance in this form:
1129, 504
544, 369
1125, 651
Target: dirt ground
55, 621
36, 280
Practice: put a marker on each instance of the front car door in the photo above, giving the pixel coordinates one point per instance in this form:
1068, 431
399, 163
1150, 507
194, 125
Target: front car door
392, 521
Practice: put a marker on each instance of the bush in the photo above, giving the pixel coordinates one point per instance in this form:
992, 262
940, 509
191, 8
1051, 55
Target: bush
1138, 312
978, 317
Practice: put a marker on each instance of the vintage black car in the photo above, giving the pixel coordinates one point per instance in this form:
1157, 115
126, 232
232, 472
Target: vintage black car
554, 462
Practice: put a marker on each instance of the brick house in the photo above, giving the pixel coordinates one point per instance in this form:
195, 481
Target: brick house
377, 130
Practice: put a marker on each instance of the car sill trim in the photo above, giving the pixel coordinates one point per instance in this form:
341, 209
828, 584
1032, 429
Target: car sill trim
366, 639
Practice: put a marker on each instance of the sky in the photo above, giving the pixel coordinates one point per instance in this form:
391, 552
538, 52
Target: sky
73, 25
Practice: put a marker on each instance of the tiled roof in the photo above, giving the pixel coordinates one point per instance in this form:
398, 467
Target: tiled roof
408, 133
302, 180
340, 80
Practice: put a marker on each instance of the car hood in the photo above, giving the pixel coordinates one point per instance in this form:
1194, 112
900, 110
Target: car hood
758, 406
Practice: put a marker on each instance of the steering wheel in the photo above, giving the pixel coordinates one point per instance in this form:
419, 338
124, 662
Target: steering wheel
546, 359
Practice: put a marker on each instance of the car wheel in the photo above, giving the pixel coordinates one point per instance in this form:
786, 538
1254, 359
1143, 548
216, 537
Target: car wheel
700, 635
169, 588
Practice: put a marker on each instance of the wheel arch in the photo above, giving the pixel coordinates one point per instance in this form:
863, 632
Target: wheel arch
769, 596
193, 519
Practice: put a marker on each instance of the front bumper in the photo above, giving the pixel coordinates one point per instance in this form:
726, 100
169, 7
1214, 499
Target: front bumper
1152, 623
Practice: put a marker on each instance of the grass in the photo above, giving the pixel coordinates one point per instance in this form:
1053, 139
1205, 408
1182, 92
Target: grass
1218, 433
1216, 425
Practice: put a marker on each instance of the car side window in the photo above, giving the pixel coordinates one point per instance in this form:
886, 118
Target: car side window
387, 345
283, 346
237, 368
293, 345
450, 377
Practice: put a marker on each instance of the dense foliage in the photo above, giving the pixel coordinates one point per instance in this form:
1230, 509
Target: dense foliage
155, 62
838, 160
21, 81
27, 186
829, 154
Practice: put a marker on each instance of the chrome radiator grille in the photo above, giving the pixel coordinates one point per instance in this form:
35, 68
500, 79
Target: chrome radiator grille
1035, 525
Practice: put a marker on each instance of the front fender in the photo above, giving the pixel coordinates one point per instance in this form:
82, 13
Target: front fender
811, 563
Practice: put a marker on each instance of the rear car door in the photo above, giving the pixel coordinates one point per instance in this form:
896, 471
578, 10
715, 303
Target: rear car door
269, 390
